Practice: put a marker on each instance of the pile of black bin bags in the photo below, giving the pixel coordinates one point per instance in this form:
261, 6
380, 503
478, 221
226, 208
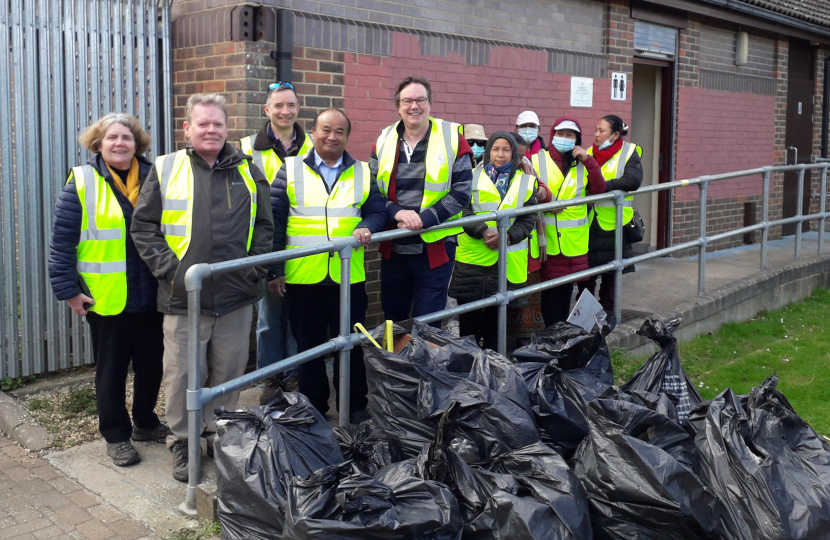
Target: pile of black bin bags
466, 444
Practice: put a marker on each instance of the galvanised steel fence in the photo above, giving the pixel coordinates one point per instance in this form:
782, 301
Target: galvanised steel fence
66, 63
198, 397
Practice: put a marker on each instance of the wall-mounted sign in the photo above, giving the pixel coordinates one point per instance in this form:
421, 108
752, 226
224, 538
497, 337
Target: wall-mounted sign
618, 86
582, 92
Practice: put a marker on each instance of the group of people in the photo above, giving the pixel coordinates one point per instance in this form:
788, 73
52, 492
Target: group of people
126, 231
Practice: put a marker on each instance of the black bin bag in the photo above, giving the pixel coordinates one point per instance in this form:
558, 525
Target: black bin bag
662, 372
258, 451
638, 468
369, 447
529, 493
336, 503
410, 390
770, 468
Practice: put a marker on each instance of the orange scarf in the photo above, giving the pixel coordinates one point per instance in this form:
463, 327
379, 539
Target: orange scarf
133, 183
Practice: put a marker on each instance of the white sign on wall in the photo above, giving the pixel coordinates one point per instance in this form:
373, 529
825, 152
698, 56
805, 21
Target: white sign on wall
582, 92
618, 86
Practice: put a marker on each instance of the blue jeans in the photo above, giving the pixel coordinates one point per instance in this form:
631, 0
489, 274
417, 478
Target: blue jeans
408, 285
274, 339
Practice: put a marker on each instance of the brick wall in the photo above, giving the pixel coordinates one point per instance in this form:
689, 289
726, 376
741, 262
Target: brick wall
718, 48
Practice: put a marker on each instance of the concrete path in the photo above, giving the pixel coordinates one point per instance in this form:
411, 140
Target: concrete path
37, 501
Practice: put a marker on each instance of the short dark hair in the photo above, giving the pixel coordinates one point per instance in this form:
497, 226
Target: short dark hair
348, 122
519, 139
616, 123
412, 79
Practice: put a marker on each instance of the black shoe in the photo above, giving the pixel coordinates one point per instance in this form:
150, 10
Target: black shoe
123, 453
158, 434
180, 460
360, 416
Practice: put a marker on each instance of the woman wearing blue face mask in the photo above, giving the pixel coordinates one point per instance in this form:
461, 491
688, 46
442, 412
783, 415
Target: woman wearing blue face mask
570, 172
527, 126
475, 135
621, 169
498, 183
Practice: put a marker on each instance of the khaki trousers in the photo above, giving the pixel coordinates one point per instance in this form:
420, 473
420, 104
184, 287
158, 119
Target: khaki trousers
224, 345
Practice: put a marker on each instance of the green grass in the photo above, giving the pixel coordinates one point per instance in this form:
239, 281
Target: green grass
79, 402
742, 355
204, 530
40, 405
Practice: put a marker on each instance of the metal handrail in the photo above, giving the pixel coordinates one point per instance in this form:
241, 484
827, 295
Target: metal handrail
198, 397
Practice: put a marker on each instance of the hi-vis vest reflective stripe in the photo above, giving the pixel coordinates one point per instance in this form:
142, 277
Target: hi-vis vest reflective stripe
441, 152
176, 179
567, 231
486, 198
267, 160
316, 216
612, 169
102, 251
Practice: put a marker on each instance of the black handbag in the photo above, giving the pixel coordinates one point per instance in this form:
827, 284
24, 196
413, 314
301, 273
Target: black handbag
635, 230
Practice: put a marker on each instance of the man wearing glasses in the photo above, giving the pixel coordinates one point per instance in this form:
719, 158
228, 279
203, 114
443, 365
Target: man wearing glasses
280, 137
423, 166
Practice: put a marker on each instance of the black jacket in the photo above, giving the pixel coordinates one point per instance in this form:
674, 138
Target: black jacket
471, 282
601, 242
373, 211
263, 142
66, 235
221, 210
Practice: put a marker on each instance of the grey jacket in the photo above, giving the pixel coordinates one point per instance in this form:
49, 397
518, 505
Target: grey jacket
219, 233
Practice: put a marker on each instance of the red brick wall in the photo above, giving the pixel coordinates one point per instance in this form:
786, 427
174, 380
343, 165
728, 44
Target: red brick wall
720, 132
491, 95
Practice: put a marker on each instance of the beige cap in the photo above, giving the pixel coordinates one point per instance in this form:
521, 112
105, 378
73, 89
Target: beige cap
474, 131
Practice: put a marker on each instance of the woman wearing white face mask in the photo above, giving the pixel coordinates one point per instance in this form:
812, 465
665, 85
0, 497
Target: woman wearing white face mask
620, 163
477, 139
527, 126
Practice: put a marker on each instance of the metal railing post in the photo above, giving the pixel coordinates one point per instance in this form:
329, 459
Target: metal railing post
344, 410
799, 212
822, 209
503, 223
194, 402
619, 200
765, 221
701, 250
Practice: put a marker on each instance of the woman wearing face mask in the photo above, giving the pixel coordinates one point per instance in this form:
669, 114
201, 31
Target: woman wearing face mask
569, 172
621, 169
475, 135
498, 183
527, 126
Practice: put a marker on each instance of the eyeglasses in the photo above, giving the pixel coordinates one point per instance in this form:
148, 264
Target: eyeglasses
282, 84
421, 101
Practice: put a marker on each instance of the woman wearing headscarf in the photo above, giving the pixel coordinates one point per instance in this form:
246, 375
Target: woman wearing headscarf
498, 183
621, 169
95, 267
569, 172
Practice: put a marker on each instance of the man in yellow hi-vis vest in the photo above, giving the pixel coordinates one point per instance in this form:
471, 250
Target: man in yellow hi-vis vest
206, 204
423, 165
280, 137
320, 197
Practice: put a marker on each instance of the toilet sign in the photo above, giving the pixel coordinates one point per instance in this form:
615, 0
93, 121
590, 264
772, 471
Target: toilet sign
618, 86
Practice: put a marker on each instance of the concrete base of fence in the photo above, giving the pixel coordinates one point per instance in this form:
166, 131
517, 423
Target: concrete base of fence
737, 301
17, 424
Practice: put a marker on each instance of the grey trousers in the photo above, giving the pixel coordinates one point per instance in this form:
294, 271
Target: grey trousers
224, 345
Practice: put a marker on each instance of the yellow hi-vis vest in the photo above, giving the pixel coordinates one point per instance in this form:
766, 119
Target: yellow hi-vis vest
567, 231
486, 198
176, 180
267, 160
102, 251
612, 169
316, 216
441, 153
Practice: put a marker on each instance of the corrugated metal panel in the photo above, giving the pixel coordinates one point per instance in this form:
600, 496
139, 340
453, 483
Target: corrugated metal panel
654, 38
66, 63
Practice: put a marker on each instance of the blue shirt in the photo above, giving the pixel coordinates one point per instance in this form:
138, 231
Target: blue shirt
329, 174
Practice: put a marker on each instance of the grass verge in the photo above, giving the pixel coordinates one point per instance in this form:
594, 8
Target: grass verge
741, 355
